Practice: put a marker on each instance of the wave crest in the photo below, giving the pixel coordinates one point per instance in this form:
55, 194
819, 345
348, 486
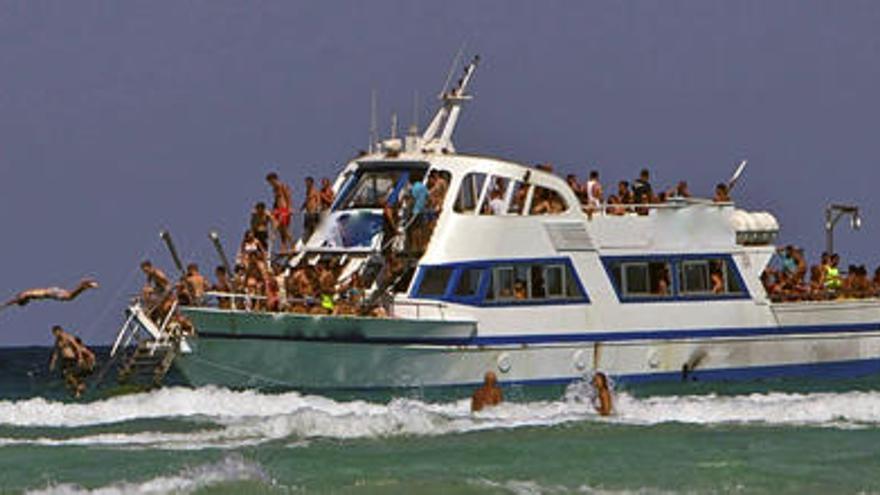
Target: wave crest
231, 419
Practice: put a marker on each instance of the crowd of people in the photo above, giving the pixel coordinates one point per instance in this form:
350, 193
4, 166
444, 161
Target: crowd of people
261, 282
794, 280
631, 197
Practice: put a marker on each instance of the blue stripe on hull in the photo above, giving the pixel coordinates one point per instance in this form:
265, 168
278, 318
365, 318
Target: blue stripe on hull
570, 338
833, 369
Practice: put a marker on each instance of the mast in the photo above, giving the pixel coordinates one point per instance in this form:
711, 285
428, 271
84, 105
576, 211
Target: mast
438, 135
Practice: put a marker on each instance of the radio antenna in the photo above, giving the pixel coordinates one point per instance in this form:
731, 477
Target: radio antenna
455, 63
374, 125
415, 114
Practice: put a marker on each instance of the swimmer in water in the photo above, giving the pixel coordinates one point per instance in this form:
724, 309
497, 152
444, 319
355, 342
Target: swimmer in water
602, 403
489, 394
54, 293
77, 361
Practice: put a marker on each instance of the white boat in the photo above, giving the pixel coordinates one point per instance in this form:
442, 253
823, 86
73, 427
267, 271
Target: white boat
536, 298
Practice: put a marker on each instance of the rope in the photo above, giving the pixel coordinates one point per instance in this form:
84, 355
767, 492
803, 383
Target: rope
98, 322
238, 371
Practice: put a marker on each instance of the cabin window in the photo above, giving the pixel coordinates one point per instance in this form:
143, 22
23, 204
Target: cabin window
642, 278
371, 189
533, 282
546, 202
495, 201
503, 278
469, 193
468, 282
709, 276
694, 276
435, 281
554, 281
518, 198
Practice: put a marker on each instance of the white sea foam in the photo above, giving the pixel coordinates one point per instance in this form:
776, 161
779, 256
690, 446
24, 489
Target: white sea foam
231, 469
229, 419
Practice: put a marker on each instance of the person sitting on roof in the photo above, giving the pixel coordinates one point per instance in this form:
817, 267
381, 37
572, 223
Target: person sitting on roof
817, 283
875, 282
489, 394
623, 193
681, 190
833, 281
615, 207
641, 188
722, 194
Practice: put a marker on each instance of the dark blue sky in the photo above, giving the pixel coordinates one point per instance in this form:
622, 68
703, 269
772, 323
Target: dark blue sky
120, 118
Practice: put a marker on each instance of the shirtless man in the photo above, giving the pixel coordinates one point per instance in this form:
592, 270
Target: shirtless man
222, 284
437, 191
311, 208
77, 361
327, 195
722, 195
156, 279
487, 395
261, 222
602, 402
55, 293
282, 209
196, 284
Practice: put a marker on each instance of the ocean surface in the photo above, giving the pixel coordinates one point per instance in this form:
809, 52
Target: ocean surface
767, 437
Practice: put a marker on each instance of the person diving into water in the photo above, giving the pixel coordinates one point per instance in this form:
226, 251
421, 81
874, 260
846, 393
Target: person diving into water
54, 293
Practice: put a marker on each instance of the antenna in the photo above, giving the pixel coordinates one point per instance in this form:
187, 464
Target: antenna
374, 125
415, 114
438, 135
455, 63
735, 177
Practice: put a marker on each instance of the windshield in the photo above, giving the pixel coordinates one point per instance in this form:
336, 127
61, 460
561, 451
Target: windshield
370, 188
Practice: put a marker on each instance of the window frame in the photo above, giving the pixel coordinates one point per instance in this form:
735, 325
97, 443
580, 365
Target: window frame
490, 286
674, 263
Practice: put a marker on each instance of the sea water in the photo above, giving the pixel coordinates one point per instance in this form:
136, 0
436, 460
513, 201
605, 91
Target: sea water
772, 437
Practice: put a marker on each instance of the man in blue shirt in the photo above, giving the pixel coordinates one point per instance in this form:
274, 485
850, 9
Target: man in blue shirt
419, 193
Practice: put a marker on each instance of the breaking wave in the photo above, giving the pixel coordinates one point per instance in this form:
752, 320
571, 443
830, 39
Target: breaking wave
223, 418
230, 469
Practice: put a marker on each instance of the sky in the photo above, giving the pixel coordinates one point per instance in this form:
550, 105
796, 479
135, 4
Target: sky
121, 118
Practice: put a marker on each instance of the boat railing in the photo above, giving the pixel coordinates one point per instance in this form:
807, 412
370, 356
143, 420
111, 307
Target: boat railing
418, 305
246, 302
644, 209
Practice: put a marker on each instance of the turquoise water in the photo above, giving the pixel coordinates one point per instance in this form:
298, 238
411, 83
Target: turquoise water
774, 437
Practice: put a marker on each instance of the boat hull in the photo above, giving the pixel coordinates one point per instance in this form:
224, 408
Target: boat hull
446, 354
